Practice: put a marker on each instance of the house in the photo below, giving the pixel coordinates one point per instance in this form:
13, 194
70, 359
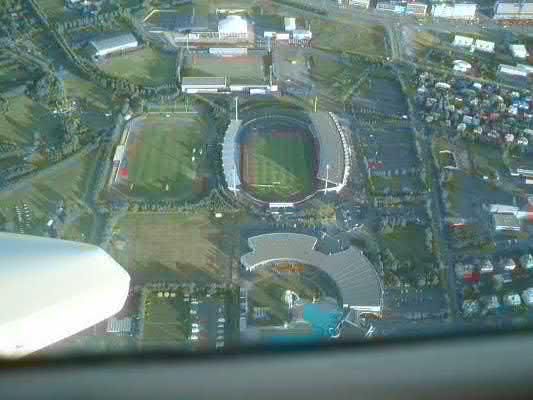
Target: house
471, 307
512, 299
472, 277
509, 264
519, 51
530, 262
491, 302
461, 66
527, 296
487, 267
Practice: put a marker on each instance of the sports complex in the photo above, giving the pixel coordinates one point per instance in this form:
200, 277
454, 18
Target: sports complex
358, 284
279, 159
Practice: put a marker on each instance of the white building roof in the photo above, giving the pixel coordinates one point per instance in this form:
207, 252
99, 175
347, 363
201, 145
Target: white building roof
52, 289
457, 11
512, 299
233, 24
290, 24
510, 70
527, 296
518, 50
485, 46
108, 45
526, 68
462, 41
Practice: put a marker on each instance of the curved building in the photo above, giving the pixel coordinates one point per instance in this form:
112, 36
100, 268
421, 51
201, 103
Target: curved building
356, 279
52, 289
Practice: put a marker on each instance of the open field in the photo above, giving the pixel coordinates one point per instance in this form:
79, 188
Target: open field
351, 37
53, 8
147, 66
24, 118
278, 165
170, 247
14, 71
245, 69
160, 156
43, 191
167, 320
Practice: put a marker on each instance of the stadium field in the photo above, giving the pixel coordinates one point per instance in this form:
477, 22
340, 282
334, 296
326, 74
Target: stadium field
279, 165
239, 70
163, 156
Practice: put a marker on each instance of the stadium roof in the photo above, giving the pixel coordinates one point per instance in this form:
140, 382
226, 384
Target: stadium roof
172, 22
52, 289
332, 152
357, 280
204, 81
230, 162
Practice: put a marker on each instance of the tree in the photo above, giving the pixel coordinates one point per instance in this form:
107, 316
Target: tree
4, 105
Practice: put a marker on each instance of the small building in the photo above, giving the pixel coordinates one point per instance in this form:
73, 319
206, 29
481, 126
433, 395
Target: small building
491, 302
529, 263
503, 209
464, 11
512, 299
462, 41
484, 46
519, 51
417, 9
114, 44
527, 296
512, 74
302, 34
471, 307
461, 66
509, 264
526, 68
359, 3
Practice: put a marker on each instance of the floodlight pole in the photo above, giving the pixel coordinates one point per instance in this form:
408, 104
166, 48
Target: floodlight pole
236, 108
327, 178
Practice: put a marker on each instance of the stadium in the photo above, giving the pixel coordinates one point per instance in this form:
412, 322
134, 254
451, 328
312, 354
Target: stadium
281, 159
358, 285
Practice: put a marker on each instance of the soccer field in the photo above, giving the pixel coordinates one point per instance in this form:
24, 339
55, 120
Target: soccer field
239, 70
278, 166
160, 153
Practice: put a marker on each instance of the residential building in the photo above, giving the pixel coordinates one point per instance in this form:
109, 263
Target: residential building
509, 264
512, 74
519, 51
461, 66
491, 302
503, 209
527, 296
530, 262
512, 299
114, 44
487, 267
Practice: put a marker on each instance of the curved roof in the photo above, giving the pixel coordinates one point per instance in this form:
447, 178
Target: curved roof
52, 289
233, 24
332, 159
356, 278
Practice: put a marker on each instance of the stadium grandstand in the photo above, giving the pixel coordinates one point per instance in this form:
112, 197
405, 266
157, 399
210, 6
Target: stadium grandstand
230, 156
356, 279
334, 157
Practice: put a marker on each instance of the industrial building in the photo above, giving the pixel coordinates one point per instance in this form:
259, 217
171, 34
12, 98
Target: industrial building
114, 44
519, 51
359, 3
463, 11
52, 289
358, 283
513, 10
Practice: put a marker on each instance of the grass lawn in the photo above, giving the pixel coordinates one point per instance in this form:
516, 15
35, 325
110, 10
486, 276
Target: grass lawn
408, 244
147, 66
349, 36
25, 117
167, 320
486, 159
170, 247
160, 152
53, 8
67, 182
283, 166
246, 69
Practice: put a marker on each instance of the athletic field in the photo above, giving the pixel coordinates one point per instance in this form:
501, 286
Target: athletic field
163, 156
278, 165
239, 70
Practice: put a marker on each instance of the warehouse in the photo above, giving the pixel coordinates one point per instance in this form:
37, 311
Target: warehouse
114, 44
507, 10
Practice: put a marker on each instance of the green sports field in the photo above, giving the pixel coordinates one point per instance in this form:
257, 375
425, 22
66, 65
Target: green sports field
160, 155
278, 166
